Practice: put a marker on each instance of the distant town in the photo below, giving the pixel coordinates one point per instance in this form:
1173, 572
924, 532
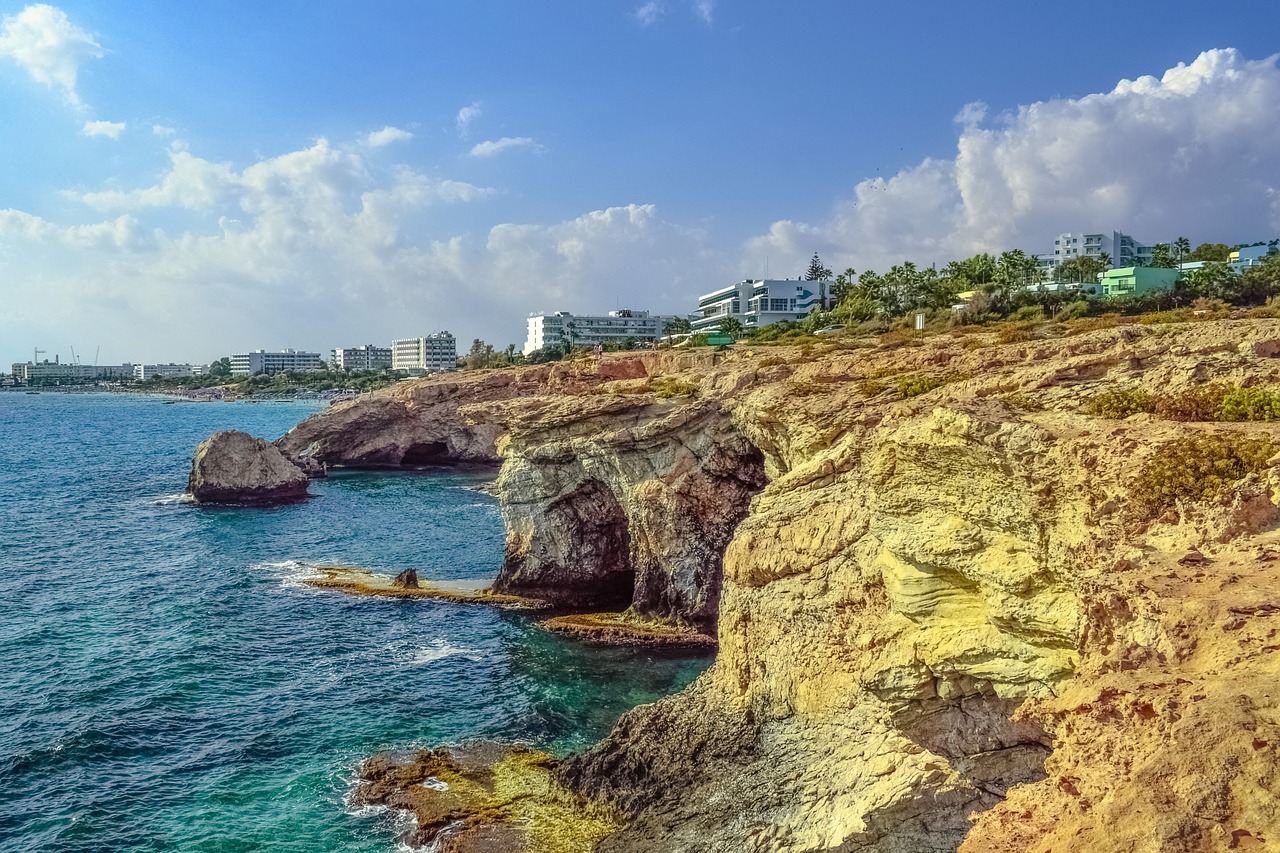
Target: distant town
1093, 271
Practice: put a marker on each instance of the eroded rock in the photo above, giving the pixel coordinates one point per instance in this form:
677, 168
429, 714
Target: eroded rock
234, 467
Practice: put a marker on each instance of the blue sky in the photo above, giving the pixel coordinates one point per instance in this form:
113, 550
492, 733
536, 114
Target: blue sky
186, 180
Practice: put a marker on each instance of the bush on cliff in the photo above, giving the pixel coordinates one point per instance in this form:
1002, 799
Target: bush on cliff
1120, 403
1249, 404
1199, 468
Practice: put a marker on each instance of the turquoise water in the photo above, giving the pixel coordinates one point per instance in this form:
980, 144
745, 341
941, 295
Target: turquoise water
166, 683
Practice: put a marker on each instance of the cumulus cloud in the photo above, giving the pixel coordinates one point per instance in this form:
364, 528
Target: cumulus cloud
1193, 152
386, 136
467, 115
109, 129
506, 143
317, 247
44, 42
650, 13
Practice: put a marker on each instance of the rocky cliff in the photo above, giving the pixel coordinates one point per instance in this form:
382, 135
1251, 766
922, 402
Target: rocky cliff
956, 610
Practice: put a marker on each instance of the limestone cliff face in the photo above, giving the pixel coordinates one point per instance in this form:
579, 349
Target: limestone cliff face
624, 499
939, 629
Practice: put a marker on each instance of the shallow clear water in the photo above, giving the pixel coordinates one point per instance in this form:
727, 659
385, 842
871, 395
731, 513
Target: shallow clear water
166, 683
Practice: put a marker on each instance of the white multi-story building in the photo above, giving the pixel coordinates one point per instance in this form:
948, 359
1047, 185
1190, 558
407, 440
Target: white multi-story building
143, 372
585, 330
1123, 250
58, 371
435, 353
761, 302
284, 361
367, 357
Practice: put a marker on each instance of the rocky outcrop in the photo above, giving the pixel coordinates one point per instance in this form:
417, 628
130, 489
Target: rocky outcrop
234, 467
623, 499
943, 628
951, 612
427, 422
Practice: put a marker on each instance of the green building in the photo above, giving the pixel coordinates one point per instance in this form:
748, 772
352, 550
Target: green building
1135, 281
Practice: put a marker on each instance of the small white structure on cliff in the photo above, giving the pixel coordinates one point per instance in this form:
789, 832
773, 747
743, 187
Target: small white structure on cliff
434, 353
554, 329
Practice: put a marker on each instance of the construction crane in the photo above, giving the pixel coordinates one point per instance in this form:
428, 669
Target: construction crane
35, 355
75, 359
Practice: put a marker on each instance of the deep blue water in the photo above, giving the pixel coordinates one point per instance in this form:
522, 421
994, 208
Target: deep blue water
166, 683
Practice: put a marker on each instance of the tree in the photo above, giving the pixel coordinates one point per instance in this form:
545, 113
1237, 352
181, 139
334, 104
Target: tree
1161, 256
1105, 260
1183, 247
1081, 269
1214, 280
732, 327
845, 282
1211, 252
479, 356
221, 367
677, 326
1259, 283
816, 271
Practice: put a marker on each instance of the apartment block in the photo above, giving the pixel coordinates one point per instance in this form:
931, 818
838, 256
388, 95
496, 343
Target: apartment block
559, 327
366, 357
284, 361
433, 353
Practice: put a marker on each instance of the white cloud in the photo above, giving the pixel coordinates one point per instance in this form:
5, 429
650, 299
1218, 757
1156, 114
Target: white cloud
48, 46
386, 136
506, 143
650, 13
109, 129
163, 131
1195, 152
704, 10
467, 115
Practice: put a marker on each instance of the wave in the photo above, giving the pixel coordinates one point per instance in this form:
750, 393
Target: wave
440, 650
173, 500
292, 573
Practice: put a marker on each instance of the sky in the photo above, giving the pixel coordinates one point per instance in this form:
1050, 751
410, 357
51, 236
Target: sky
183, 181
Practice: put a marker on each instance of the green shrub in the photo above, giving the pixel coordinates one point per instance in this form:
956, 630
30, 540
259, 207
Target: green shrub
1007, 334
1022, 402
1074, 311
1249, 404
808, 389
914, 386
667, 386
870, 387
1193, 404
1198, 468
1028, 314
1120, 403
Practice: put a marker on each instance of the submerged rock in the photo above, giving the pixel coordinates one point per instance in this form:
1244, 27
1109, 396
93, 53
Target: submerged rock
234, 467
482, 797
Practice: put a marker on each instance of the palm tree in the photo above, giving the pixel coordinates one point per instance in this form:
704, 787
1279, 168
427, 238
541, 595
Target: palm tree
1106, 260
1183, 245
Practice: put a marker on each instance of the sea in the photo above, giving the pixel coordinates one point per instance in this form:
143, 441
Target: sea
168, 682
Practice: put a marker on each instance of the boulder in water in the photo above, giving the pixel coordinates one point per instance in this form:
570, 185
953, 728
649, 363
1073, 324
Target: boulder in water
408, 579
235, 467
